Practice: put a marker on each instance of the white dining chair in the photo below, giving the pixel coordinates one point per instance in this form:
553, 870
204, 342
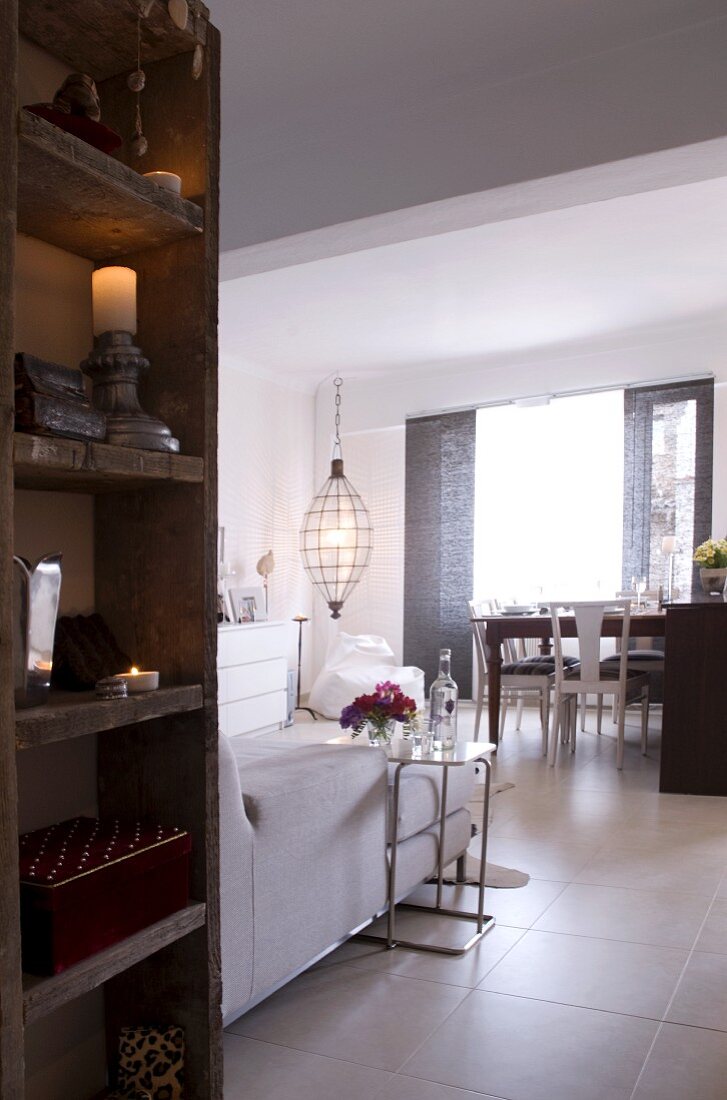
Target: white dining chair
594, 676
643, 658
519, 676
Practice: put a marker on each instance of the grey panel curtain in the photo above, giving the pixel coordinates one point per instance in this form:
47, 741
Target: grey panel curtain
439, 542
643, 510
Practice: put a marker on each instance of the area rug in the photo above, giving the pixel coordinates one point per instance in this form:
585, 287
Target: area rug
496, 877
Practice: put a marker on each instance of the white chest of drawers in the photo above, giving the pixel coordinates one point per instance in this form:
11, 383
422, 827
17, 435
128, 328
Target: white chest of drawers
252, 677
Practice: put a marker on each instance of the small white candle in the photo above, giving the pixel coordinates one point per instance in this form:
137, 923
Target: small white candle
137, 681
668, 544
167, 180
114, 300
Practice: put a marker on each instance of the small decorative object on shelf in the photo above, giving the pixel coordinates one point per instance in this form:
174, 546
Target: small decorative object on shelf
378, 713
86, 884
36, 591
76, 108
711, 556
264, 568
248, 605
51, 400
115, 365
168, 180
151, 1061
443, 697
112, 687
85, 652
137, 681
136, 82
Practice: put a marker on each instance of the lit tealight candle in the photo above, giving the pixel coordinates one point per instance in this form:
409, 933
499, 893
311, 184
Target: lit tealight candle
114, 300
137, 681
167, 180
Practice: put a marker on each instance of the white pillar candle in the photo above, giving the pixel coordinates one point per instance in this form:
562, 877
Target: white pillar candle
114, 300
167, 180
668, 544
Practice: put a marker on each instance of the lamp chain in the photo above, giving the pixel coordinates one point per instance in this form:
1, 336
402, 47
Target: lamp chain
338, 382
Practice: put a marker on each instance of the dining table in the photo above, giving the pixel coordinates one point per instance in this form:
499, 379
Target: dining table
649, 623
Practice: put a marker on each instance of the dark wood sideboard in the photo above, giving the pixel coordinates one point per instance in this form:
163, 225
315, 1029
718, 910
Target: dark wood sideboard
694, 732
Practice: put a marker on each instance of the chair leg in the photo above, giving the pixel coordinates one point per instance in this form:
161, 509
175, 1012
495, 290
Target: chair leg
478, 712
599, 713
519, 713
544, 716
614, 711
583, 712
557, 720
503, 715
573, 722
644, 719
621, 731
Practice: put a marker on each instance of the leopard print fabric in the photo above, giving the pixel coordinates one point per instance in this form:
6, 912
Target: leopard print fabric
151, 1060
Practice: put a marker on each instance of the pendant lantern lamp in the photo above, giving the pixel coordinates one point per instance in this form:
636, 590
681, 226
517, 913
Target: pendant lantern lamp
336, 537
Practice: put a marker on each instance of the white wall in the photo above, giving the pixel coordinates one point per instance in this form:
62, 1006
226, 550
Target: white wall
266, 446
375, 410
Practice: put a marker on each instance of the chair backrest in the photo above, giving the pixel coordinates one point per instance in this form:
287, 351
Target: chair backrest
588, 616
477, 609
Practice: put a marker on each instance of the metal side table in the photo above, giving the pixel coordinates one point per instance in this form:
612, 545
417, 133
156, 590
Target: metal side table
465, 752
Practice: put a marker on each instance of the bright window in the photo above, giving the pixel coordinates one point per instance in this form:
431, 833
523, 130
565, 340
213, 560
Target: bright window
549, 499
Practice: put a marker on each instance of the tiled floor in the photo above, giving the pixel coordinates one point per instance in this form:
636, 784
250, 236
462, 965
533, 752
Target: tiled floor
605, 977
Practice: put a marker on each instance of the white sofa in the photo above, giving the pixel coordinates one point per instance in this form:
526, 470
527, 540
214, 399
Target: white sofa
303, 837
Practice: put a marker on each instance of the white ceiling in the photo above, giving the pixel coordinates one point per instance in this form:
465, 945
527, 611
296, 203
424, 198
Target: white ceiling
570, 279
310, 91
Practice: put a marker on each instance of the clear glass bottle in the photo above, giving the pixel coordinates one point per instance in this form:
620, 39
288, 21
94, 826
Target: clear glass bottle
443, 696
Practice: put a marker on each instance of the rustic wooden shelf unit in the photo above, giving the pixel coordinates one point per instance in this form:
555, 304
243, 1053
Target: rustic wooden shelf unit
80, 199
44, 995
48, 462
69, 714
155, 515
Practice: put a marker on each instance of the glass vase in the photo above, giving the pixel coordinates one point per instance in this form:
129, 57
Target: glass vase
380, 733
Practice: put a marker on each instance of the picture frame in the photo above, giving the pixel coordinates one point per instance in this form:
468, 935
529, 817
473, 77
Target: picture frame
248, 605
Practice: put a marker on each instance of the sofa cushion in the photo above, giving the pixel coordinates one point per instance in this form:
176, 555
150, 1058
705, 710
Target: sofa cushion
419, 796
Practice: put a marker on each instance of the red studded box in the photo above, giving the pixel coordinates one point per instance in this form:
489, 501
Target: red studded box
87, 884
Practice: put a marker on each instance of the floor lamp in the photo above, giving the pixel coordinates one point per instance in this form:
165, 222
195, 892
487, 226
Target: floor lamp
300, 619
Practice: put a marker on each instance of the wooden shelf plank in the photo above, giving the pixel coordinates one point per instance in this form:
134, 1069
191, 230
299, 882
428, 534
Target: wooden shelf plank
99, 36
70, 714
43, 995
70, 465
80, 199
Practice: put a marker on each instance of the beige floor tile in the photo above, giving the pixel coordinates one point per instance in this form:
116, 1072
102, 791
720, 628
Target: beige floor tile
691, 809
409, 1088
557, 860
464, 970
532, 1050
701, 996
341, 1012
687, 1063
678, 836
713, 936
661, 868
631, 978
518, 908
261, 1071
665, 919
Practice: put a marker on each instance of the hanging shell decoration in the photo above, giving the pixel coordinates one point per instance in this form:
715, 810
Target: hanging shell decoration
179, 13
136, 81
197, 61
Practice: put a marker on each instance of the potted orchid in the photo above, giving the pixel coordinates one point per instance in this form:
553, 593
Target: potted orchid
378, 713
711, 557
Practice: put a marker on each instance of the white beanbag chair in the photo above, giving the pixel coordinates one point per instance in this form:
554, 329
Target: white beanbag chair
354, 665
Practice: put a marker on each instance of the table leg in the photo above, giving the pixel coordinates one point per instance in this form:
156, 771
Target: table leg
391, 921
442, 827
546, 646
483, 852
493, 655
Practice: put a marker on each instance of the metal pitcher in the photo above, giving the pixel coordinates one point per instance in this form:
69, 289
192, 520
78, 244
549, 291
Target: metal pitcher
36, 592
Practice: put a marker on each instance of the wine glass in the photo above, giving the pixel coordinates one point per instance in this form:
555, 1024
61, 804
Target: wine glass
639, 585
